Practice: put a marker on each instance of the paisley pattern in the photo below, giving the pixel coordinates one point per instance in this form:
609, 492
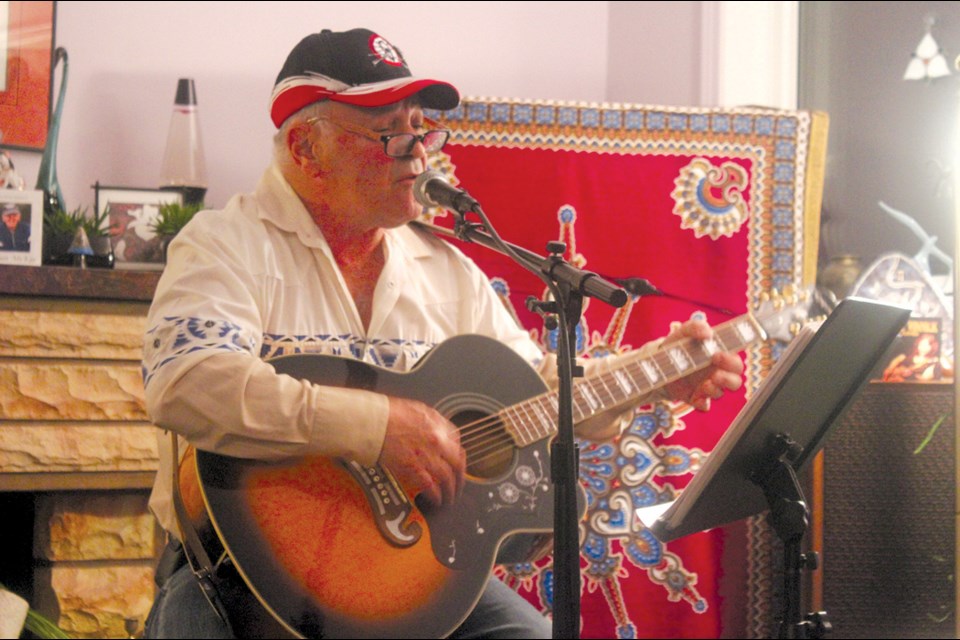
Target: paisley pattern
709, 199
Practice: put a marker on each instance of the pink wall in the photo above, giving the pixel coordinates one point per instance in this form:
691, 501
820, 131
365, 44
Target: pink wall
654, 53
125, 59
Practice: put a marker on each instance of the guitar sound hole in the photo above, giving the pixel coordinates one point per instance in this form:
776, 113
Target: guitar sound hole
490, 449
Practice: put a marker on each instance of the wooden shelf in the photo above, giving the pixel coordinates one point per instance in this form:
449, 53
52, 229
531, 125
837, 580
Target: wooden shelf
76, 481
73, 282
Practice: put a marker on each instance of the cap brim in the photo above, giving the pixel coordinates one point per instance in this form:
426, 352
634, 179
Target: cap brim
434, 94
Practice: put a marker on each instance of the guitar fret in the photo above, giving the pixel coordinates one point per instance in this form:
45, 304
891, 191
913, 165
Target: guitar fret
611, 393
636, 385
535, 422
746, 331
704, 351
545, 422
590, 395
649, 369
665, 364
523, 423
720, 341
710, 346
554, 401
680, 358
510, 422
622, 378
550, 407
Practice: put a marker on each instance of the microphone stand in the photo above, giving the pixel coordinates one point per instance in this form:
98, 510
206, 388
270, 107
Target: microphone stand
568, 286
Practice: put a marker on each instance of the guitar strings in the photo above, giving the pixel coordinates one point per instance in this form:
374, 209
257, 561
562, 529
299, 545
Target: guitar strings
478, 436
490, 435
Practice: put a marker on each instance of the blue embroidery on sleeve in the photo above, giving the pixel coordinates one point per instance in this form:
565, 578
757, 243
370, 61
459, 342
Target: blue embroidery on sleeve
388, 353
175, 336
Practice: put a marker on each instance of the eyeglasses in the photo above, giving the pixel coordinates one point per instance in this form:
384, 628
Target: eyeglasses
395, 145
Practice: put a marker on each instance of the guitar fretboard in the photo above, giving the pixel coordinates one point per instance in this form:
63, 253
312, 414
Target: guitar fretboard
631, 380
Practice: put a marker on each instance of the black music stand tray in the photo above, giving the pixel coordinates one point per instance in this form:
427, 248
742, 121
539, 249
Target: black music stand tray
784, 424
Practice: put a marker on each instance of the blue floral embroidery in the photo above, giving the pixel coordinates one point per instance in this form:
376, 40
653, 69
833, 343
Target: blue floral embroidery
175, 336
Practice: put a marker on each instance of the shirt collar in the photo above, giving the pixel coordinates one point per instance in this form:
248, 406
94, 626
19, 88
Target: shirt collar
281, 206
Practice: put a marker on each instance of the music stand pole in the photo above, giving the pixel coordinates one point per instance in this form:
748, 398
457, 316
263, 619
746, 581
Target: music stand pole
790, 517
564, 460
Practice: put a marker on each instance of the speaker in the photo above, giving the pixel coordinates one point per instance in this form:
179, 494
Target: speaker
889, 511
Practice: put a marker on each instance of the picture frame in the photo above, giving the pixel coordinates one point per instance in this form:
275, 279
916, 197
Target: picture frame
22, 243
130, 212
26, 73
915, 356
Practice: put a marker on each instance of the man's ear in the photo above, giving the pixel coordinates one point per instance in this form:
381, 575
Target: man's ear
300, 145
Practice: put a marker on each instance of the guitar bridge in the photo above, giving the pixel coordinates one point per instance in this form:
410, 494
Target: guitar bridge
389, 503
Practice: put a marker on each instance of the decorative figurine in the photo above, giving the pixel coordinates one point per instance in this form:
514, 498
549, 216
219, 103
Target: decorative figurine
9, 178
80, 249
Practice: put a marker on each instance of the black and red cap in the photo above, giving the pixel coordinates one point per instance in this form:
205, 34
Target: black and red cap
357, 67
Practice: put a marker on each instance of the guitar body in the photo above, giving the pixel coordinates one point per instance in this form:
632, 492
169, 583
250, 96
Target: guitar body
334, 549
329, 548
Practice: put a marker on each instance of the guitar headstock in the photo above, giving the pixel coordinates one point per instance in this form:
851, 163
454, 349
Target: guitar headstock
781, 314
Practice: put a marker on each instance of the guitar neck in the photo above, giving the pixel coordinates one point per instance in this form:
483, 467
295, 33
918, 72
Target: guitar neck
632, 379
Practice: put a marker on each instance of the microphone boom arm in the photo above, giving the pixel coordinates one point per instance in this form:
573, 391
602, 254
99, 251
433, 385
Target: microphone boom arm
585, 282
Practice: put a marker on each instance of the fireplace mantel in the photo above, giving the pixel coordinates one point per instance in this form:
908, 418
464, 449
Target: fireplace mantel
74, 433
72, 282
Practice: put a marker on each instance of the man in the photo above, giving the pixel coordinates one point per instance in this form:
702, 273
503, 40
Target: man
14, 233
320, 259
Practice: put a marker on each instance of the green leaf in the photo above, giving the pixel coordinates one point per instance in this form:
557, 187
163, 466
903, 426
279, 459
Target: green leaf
42, 627
173, 217
39, 625
933, 430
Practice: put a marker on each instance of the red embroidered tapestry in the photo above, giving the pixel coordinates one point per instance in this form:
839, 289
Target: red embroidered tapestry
717, 209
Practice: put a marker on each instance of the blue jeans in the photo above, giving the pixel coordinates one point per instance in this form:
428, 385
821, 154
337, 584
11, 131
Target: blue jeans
181, 611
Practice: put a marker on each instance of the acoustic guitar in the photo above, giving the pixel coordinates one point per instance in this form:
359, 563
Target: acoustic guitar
331, 548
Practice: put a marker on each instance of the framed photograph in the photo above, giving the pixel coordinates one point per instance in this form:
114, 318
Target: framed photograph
916, 355
21, 227
130, 214
26, 78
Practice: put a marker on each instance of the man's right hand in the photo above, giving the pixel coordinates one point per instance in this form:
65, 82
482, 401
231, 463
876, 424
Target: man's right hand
422, 450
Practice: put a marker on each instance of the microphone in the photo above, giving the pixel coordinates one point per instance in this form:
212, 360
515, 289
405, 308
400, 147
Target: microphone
638, 286
431, 189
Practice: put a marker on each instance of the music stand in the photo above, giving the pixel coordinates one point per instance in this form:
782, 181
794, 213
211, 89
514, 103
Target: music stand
783, 425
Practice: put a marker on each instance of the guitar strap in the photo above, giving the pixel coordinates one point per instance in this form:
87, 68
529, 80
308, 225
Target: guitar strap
220, 582
203, 569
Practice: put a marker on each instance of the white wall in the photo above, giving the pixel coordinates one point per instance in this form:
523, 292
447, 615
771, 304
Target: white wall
655, 51
749, 54
125, 58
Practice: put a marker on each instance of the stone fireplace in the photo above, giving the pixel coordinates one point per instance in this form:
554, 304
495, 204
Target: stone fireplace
77, 453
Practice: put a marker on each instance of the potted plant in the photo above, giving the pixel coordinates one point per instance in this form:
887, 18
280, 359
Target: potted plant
99, 233
59, 228
171, 218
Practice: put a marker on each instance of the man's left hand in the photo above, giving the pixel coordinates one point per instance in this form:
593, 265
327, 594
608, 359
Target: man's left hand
724, 373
